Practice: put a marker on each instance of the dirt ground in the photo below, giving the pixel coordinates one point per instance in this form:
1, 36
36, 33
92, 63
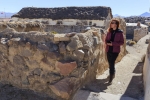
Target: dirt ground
8, 92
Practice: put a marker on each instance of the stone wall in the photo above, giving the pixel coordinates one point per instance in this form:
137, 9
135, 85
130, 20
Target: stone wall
146, 74
139, 33
24, 26
54, 64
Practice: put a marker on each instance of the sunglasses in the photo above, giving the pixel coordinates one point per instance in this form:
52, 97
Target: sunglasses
113, 23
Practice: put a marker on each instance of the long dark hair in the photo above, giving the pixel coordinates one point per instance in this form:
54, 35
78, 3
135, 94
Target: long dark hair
117, 23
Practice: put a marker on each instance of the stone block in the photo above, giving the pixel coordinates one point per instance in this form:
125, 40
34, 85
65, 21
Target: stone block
79, 54
4, 49
38, 56
37, 71
18, 60
96, 41
43, 47
65, 68
32, 64
62, 48
26, 53
64, 87
53, 55
25, 80
61, 37
87, 40
71, 34
74, 45
46, 65
55, 47
95, 33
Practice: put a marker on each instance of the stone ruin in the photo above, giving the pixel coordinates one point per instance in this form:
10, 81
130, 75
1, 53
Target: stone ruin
57, 65
139, 33
23, 26
53, 64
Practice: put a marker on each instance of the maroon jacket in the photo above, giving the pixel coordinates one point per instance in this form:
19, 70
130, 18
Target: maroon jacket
118, 41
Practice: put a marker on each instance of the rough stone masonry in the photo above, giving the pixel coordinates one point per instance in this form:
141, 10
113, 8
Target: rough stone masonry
54, 64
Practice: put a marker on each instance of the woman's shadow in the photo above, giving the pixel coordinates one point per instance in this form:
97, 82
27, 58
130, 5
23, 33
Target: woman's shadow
98, 85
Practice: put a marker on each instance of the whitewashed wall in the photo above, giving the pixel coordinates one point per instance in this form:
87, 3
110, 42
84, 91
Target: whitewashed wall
64, 21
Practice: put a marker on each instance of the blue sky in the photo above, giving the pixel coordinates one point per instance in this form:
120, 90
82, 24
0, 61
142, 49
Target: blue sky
121, 7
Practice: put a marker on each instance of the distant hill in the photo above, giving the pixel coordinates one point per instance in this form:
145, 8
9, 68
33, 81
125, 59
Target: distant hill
146, 14
117, 15
7, 14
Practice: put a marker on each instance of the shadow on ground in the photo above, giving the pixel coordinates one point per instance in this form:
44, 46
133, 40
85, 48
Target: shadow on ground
135, 88
8, 92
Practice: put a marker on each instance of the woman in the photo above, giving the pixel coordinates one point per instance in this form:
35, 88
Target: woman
114, 39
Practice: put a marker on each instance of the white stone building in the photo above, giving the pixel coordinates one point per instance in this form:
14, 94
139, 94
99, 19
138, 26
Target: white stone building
66, 15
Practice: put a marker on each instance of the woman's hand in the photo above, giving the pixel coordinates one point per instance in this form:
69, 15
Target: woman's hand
109, 44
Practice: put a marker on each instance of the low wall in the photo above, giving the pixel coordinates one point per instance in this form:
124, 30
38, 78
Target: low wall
22, 26
146, 74
57, 65
139, 33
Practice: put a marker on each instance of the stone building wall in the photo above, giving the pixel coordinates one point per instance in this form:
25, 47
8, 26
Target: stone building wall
64, 21
57, 65
24, 26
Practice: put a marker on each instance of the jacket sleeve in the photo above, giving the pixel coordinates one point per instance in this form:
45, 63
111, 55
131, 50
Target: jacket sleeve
106, 38
120, 42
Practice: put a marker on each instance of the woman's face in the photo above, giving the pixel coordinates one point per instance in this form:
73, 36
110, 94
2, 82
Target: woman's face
113, 24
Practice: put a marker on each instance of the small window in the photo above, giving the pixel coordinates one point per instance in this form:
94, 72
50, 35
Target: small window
90, 23
78, 23
59, 22
94, 24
